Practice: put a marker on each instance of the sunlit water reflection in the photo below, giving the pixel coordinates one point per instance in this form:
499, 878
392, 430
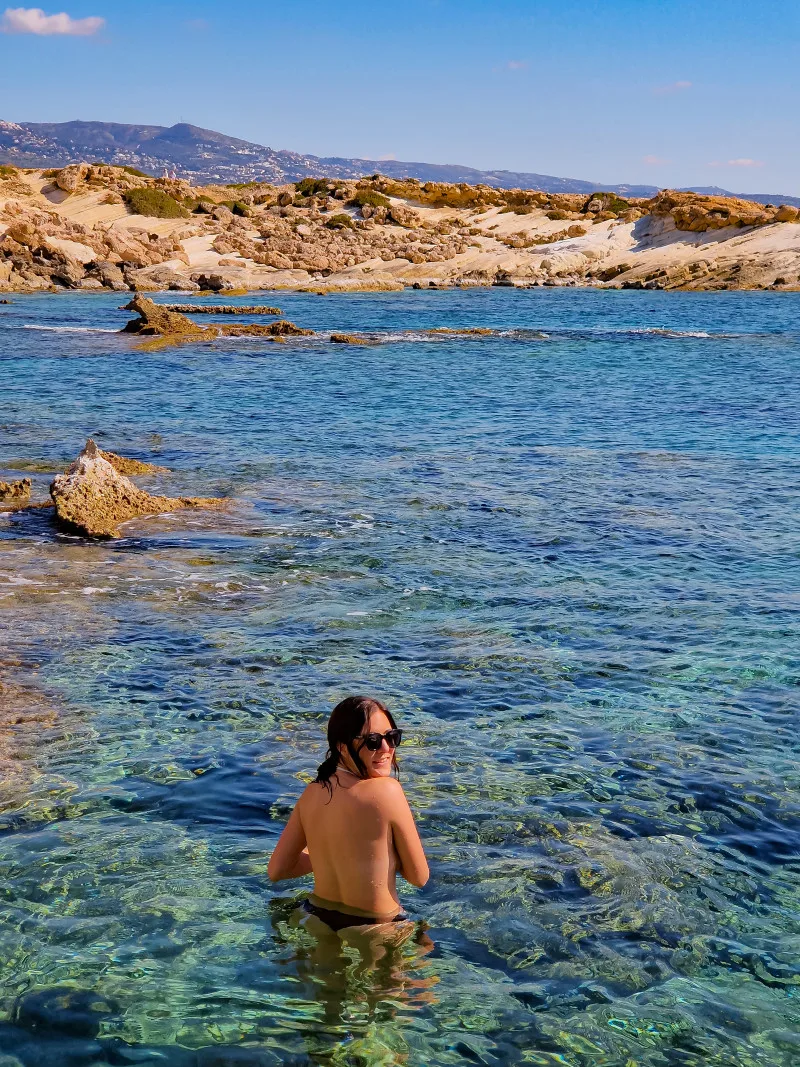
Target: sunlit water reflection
568, 557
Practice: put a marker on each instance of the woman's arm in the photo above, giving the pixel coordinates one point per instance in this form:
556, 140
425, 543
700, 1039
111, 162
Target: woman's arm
413, 865
290, 858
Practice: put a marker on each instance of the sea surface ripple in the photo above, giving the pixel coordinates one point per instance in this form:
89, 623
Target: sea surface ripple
568, 556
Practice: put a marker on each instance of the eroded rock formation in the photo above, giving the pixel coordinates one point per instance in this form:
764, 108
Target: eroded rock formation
156, 320
15, 492
92, 498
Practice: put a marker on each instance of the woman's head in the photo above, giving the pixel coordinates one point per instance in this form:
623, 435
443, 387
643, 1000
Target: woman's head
356, 740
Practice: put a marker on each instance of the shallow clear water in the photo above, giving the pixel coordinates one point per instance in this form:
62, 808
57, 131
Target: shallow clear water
568, 557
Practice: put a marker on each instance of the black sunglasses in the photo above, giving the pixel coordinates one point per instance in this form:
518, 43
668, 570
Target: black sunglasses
374, 741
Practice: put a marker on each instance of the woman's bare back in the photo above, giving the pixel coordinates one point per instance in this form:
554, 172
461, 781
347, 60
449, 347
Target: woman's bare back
352, 828
359, 836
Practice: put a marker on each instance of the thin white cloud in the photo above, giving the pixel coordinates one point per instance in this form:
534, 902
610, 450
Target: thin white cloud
386, 158
33, 20
516, 64
673, 87
736, 163
654, 161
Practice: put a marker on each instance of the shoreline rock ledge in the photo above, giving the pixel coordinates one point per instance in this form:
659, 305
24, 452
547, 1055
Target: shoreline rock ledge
93, 498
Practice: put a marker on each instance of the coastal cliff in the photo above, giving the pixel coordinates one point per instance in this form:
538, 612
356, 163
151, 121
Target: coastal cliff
93, 227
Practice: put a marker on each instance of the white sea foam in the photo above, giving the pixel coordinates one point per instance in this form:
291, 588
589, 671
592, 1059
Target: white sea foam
17, 579
66, 329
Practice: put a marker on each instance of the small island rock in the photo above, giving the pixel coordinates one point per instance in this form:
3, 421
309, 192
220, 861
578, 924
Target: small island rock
93, 498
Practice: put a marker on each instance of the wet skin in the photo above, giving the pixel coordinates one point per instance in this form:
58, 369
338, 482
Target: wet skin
357, 838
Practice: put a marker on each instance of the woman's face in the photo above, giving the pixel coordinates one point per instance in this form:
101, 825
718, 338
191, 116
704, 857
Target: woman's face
378, 764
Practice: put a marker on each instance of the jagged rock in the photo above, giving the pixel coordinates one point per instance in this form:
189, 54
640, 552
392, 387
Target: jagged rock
403, 216
282, 328
69, 178
25, 233
275, 259
223, 214
348, 339
157, 320
697, 213
109, 274
93, 498
15, 491
214, 282
159, 278
67, 271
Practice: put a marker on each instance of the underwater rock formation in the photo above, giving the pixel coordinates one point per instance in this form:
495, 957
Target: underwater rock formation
123, 465
222, 309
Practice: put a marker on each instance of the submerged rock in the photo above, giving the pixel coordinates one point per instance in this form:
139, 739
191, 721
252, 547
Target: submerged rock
123, 465
281, 328
348, 339
475, 331
223, 309
14, 492
93, 498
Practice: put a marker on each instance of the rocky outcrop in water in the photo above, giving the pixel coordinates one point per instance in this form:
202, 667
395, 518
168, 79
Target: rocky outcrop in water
157, 320
92, 498
15, 492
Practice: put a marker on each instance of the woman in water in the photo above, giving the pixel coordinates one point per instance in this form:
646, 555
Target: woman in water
352, 828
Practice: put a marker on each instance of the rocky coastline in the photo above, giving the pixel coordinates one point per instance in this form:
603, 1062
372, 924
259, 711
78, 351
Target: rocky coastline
91, 227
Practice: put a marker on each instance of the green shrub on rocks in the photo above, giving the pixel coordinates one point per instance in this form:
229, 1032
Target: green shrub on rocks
134, 171
312, 187
7, 171
371, 197
154, 203
339, 222
609, 202
199, 205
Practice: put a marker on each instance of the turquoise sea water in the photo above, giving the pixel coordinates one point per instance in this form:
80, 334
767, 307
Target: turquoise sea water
569, 559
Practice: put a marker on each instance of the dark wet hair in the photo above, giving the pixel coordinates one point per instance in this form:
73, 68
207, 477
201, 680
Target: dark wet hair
346, 723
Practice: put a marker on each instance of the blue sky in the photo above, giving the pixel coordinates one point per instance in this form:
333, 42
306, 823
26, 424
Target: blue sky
668, 93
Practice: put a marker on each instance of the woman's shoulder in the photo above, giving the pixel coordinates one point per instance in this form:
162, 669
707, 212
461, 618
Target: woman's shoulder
386, 792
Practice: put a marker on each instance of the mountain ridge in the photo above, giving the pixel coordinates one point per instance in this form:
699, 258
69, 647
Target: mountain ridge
208, 157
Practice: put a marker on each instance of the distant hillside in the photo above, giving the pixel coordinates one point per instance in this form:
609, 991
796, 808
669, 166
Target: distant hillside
206, 157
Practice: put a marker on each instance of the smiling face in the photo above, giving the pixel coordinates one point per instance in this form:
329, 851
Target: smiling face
377, 764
